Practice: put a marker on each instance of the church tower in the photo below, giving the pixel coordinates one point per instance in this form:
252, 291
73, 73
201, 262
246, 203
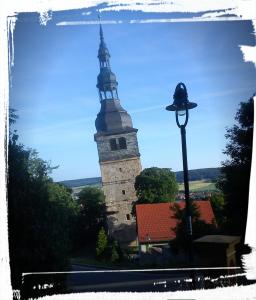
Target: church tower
118, 150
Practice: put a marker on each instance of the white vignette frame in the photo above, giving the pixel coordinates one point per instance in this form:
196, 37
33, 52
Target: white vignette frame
243, 9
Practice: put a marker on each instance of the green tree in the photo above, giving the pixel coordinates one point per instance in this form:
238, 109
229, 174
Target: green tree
92, 213
217, 202
234, 182
40, 214
114, 252
102, 243
199, 227
155, 185
12, 116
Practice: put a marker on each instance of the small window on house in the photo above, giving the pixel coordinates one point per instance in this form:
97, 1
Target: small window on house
123, 192
122, 143
120, 169
113, 144
128, 217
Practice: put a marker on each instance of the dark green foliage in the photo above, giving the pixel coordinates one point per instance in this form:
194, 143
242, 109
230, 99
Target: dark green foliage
12, 116
217, 202
199, 227
114, 252
210, 174
91, 201
102, 243
155, 185
108, 249
40, 214
236, 170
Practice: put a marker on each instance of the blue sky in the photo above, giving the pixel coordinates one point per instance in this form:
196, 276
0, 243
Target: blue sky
54, 86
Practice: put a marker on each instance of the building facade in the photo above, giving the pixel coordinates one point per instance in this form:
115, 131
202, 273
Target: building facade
118, 150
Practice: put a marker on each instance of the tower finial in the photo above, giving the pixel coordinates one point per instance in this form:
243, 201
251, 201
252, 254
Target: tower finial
101, 31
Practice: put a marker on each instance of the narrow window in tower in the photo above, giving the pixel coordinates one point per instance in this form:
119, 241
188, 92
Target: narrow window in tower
122, 143
113, 144
123, 192
109, 94
128, 217
120, 169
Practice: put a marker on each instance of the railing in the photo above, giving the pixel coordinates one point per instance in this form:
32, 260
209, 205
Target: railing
35, 285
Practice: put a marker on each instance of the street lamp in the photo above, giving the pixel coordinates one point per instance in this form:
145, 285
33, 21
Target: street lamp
181, 106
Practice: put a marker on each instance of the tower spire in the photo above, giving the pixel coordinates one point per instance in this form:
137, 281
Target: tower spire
101, 31
106, 82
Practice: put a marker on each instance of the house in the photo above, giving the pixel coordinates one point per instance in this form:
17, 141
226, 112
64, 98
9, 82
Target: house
156, 222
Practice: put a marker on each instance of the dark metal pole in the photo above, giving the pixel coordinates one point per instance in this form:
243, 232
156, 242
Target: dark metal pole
186, 186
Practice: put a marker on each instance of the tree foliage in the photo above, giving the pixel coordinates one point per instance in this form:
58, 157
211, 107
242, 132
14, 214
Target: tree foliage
114, 252
209, 174
155, 185
199, 226
234, 182
102, 243
12, 116
217, 202
91, 201
40, 214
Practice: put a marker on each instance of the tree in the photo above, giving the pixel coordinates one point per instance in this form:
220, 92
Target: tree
12, 116
234, 182
217, 202
102, 243
200, 227
40, 214
92, 213
114, 252
155, 185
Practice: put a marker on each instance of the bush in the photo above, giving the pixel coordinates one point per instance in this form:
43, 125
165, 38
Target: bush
102, 243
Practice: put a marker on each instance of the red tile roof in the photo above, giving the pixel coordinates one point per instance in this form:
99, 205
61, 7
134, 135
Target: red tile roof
156, 221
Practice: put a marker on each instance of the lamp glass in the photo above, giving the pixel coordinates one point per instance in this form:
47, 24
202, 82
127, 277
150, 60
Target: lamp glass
181, 112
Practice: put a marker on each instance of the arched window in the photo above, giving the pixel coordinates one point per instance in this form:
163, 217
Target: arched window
122, 143
118, 144
113, 144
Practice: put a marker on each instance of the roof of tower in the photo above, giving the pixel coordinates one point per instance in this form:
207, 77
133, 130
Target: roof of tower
106, 80
113, 118
103, 53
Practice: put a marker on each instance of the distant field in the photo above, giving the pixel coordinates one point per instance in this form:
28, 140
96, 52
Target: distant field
199, 186
194, 186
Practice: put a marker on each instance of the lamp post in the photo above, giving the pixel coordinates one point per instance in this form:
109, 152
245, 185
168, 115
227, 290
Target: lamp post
181, 106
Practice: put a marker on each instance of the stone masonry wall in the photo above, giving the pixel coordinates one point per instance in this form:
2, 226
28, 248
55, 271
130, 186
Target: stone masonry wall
104, 150
118, 178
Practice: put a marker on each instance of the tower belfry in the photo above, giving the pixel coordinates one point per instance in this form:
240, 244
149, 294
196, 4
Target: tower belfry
118, 150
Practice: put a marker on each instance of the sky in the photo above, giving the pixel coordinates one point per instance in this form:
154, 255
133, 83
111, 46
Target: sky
53, 85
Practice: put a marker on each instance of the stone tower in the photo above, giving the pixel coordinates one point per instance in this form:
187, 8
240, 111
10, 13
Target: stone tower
119, 156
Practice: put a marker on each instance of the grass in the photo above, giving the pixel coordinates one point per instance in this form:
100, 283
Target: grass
199, 186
